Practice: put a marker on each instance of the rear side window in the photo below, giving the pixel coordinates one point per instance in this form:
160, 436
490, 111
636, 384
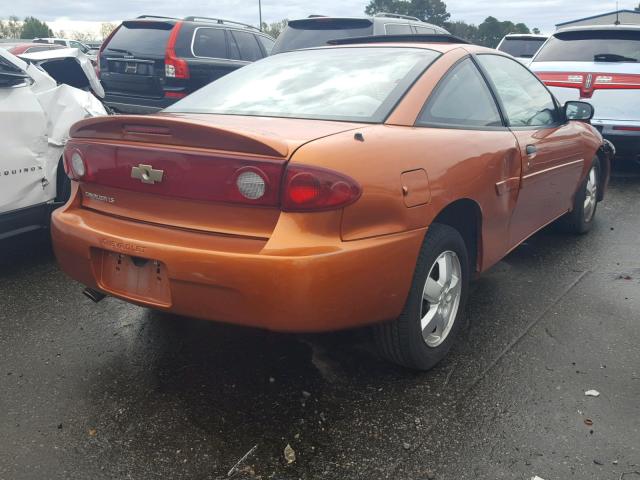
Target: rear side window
424, 30
397, 29
267, 43
527, 103
592, 46
60, 42
521, 47
38, 49
318, 31
247, 46
462, 99
210, 42
141, 38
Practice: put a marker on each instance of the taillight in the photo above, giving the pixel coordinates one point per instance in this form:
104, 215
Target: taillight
251, 184
174, 67
314, 189
74, 164
587, 83
209, 176
102, 46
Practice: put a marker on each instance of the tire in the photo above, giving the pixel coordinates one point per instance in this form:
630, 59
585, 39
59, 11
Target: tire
402, 340
63, 184
580, 219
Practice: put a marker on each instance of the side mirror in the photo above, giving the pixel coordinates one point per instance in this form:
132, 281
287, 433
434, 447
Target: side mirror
580, 111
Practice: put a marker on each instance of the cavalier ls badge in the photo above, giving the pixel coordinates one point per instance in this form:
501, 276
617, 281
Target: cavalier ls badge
147, 174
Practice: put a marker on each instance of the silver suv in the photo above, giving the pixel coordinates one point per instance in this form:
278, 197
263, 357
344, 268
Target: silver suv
316, 31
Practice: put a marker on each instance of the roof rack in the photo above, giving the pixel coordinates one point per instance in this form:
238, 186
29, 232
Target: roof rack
397, 15
420, 38
218, 20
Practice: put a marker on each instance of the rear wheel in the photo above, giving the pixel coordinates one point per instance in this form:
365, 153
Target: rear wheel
585, 203
425, 330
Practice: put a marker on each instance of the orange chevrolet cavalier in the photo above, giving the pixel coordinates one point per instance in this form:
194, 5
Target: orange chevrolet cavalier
360, 183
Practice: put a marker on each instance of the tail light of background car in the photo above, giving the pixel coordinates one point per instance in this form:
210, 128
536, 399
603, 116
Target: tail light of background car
216, 177
588, 82
102, 47
175, 67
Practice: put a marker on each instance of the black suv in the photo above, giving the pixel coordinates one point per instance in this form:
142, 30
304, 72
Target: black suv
149, 63
317, 30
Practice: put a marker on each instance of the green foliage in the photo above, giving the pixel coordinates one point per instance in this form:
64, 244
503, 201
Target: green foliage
11, 28
432, 11
488, 33
274, 29
536, 31
34, 28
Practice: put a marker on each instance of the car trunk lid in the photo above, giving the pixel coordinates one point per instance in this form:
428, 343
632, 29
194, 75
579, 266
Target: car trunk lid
133, 60
193, 163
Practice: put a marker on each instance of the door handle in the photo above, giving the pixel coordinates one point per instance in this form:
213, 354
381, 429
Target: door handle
531, 150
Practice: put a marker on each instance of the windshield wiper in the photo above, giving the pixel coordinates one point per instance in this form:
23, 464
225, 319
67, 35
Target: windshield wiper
612, 57
121, 50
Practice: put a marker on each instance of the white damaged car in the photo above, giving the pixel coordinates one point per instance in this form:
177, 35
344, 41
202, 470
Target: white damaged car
41, 95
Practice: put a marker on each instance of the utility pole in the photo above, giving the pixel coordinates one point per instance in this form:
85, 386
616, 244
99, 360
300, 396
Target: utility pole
260, 12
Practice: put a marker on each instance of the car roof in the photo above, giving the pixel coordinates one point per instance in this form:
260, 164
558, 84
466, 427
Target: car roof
526, 36
595, 28
437, 46
377, 18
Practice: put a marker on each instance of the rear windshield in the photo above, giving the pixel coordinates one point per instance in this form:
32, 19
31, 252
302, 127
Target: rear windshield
592, 46
521, 47
317, 32
360, 84
141, 38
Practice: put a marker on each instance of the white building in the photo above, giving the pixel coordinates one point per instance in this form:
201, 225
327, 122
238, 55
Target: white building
624, 17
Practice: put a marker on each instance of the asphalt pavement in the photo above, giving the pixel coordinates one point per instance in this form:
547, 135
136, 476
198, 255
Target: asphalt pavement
115, 391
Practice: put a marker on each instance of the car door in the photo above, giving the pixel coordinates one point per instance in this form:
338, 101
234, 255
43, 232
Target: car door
480, 155
211, 56
23, 166
550, 148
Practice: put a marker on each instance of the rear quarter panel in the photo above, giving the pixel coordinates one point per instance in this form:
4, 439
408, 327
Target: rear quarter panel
460, 164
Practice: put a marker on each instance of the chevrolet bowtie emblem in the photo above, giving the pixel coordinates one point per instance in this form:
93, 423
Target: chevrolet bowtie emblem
147, 174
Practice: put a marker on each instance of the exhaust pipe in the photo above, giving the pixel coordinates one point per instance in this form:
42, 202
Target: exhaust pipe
94, 295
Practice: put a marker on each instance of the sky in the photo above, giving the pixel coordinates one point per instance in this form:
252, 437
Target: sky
83, 15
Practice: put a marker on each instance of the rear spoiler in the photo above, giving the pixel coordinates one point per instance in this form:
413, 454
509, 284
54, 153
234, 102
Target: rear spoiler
420, 38
319, 22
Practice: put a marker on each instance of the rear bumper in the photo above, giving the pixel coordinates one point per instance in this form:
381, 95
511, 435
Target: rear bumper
292, 288
623, 135
137, 105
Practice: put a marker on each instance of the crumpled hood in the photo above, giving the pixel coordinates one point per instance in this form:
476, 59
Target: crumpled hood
83, 60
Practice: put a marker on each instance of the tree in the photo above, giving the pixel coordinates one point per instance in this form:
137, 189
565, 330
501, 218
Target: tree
536, 30
491, 31
34, 28
463, 30
84, 37
11, 28
106, 28
274, 29
432, 11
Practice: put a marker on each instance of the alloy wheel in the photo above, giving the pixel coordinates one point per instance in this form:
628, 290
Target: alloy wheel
441, 298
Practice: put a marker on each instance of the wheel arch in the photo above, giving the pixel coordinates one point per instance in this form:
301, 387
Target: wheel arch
605, 154
456, 215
